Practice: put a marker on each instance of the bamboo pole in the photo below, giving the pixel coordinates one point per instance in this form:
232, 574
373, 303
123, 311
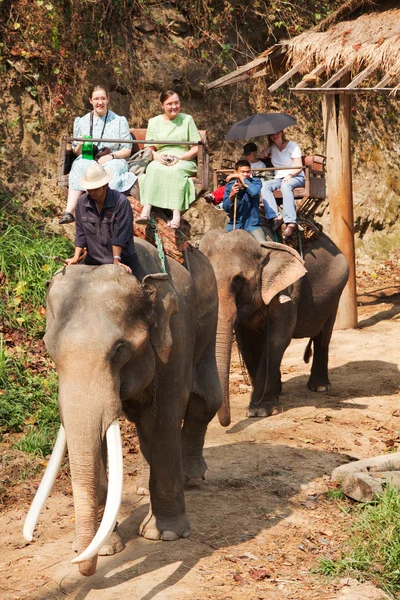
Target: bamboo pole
337, 124
234, 211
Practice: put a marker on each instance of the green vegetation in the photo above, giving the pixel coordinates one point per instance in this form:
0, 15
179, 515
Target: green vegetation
373, 549
335, 494
29, 402
44, 41
28, 383
26, 263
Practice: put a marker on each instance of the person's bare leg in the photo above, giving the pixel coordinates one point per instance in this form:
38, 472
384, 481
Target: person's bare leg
145, 214
68, 214
176, 219
72, 200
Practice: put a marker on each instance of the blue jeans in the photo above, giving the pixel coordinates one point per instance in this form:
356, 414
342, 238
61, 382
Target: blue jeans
289, 208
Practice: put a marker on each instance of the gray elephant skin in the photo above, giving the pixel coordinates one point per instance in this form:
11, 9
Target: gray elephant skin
268, 296
145, 350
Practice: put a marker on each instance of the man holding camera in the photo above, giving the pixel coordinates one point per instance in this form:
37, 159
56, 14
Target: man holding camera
242, 200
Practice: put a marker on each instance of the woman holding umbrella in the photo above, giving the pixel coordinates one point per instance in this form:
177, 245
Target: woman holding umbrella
284, 153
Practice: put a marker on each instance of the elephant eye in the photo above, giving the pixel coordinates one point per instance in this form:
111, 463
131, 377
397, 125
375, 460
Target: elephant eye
120, 350
237, 283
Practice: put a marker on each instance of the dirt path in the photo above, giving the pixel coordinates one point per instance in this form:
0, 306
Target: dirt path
262, 520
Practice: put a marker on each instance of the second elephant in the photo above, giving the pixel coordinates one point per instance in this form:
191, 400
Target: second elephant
268, 295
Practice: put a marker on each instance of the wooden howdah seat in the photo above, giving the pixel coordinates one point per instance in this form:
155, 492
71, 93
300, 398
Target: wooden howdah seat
201, 181
309, 196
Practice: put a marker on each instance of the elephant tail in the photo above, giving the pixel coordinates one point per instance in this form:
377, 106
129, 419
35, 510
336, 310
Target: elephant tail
308, 352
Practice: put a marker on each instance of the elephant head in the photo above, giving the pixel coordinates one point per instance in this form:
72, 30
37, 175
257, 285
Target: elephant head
106, 332
249, 276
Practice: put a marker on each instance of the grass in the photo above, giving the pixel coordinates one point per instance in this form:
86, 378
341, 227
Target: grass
28, 401
28, 382
372, 551
335, 494
26, 263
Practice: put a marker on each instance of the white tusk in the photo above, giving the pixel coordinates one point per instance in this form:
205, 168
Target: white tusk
46, 484
114, 493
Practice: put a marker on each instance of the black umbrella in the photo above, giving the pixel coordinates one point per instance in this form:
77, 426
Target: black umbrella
261, 124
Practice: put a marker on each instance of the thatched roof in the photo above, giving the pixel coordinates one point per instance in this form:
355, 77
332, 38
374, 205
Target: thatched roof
371, 39
362, 35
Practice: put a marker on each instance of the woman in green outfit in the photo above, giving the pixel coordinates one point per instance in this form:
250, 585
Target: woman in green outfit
167, 182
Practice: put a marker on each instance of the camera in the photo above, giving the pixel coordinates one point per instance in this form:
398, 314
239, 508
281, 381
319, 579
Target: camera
169, 160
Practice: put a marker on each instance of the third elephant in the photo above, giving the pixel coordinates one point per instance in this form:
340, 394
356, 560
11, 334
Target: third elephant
269, 295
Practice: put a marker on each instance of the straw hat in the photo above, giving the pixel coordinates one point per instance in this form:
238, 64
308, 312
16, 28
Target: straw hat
94, 177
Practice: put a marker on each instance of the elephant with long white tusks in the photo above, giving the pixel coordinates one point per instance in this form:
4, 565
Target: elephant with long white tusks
268, 295
145, 350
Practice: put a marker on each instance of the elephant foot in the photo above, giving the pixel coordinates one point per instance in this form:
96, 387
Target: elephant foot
113, 545
194, 470
142, 483
267, 409
142, 486
168, 530
318, 387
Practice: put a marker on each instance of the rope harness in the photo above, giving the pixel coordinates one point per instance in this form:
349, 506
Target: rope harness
243, 367
159, 244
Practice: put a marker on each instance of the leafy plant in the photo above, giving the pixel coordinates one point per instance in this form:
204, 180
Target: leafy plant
26, 263
373, 549
28, 382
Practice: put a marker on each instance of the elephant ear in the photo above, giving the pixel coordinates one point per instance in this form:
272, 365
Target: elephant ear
165, 304
283, 267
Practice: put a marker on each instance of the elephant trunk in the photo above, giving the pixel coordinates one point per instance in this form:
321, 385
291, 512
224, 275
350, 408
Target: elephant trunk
89, 408
85, 480
114, 494
226, 318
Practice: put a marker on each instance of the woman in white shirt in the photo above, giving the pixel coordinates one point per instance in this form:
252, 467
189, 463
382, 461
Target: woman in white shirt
284, 153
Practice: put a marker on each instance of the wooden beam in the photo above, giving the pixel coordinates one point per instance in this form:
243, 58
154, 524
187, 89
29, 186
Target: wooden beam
385, 80
336, 77
273, 52
344, 91
261, 73
287, 75
236, 79
226, 79
361, 76
314, 74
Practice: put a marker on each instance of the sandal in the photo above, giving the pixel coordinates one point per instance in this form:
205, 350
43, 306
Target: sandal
276, 222
143, 221
66, 218
173, 225
290, 229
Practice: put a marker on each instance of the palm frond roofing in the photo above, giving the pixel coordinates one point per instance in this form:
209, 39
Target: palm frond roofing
362, 35
371, 39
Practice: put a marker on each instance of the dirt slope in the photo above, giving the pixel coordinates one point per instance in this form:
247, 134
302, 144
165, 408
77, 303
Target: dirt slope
262, 520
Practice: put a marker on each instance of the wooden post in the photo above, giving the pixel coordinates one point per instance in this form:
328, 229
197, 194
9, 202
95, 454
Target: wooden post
339, 178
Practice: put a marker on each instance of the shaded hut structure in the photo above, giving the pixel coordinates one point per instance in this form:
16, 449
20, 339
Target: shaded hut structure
356, 50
